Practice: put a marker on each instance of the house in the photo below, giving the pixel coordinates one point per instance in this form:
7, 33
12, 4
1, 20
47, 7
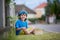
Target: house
40, 9
31, 13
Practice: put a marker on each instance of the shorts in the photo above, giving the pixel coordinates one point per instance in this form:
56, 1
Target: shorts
28, 29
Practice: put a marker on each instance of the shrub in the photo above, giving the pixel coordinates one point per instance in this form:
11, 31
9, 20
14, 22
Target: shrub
11, 32
42, 18
32, 20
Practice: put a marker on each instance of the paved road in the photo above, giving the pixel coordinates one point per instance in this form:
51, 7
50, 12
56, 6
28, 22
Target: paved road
48, 27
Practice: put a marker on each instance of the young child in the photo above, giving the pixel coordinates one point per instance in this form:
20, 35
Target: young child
22, 25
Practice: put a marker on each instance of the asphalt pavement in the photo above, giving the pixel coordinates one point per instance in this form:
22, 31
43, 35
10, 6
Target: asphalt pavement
47, 27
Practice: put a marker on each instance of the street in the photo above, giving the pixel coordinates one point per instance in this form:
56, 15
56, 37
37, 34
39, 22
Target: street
48, 27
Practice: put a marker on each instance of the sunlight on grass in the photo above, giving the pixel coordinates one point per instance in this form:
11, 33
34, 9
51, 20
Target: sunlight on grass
44, 36
47, 36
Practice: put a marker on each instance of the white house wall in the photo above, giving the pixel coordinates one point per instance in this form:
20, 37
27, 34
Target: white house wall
31, 16
42, 10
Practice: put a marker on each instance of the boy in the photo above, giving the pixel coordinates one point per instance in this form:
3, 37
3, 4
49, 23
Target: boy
22, 25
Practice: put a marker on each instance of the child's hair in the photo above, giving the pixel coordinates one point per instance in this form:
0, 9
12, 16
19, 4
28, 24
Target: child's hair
22, 12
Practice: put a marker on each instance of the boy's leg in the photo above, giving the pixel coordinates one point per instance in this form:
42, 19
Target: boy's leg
31, 30
25, 31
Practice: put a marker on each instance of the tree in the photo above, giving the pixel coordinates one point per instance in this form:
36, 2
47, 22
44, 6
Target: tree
53, 6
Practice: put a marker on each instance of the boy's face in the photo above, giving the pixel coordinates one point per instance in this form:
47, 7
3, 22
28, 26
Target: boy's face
23, 17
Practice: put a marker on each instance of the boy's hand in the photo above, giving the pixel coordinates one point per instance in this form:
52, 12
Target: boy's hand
23, 27
18, 29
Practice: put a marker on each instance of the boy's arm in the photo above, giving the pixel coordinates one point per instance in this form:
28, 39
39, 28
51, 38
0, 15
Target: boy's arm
20, 28
26, 24
17, 25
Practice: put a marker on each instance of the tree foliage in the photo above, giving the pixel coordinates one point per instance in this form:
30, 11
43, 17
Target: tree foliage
7, 1
53, 7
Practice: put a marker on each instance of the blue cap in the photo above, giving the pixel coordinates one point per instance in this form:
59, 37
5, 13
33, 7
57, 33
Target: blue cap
22, 12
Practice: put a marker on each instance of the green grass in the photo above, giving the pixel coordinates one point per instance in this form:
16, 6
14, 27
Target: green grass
46, 36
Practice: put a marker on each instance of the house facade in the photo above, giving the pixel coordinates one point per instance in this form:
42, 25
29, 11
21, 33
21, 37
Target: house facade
40, 10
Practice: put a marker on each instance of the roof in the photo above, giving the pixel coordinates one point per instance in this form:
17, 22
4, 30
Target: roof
43, 5
23, 7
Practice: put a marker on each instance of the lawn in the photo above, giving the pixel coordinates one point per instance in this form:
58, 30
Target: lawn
40, 35
46, 36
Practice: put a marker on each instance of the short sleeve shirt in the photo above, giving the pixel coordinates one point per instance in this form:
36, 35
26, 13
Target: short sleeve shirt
20, 24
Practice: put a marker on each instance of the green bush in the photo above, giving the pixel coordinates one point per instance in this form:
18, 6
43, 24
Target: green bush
36, 19
33, 20
7, 1
11, 32
42, 18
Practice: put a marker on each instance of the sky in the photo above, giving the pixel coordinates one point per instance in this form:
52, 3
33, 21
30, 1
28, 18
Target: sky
30, 3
